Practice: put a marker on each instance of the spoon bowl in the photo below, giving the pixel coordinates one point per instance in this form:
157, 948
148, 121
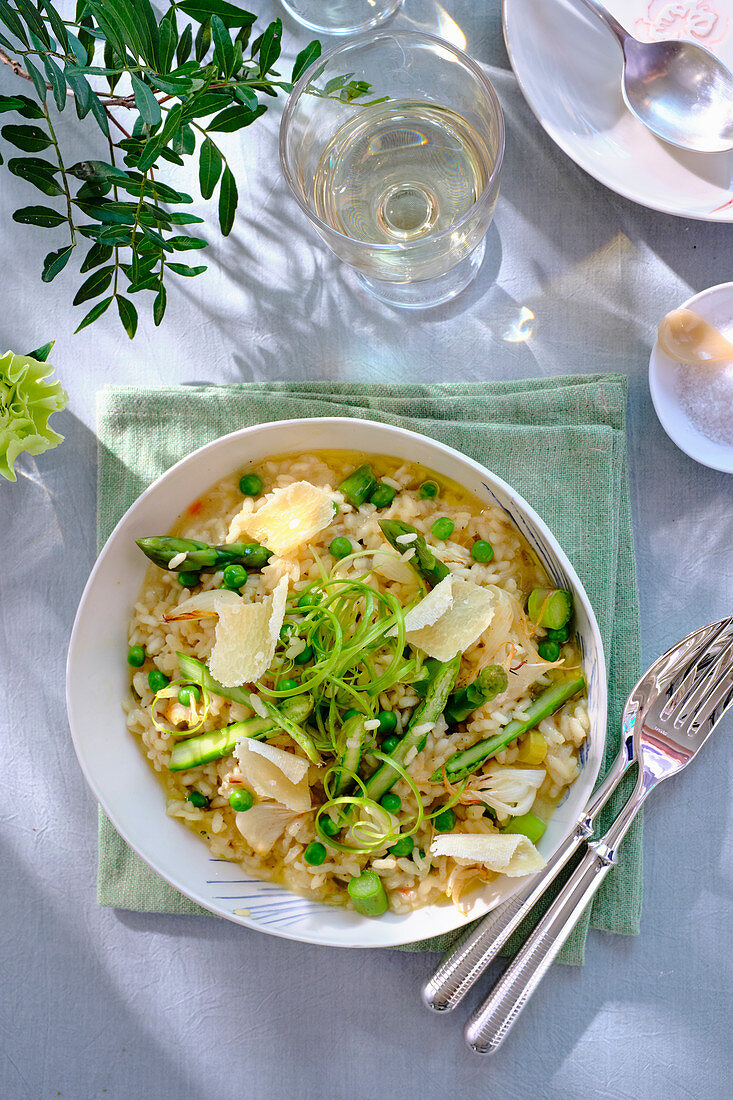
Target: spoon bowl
680, 91
687, 337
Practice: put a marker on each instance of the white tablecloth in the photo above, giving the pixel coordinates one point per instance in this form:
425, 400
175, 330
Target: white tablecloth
103, 1003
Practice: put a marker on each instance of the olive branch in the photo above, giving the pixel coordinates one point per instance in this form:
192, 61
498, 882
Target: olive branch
160, 95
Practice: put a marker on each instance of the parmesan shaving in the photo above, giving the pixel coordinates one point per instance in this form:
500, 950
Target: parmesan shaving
432, 607
275, 773
286, 519
202, 606
246, 636
451, 617
508, 854
393, 567
263, 824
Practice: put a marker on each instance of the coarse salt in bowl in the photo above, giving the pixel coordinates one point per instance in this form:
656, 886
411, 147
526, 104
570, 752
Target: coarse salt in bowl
695, 403
114, 766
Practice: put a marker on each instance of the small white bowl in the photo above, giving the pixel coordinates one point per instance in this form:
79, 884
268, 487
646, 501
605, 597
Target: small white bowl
97, 682
716, 305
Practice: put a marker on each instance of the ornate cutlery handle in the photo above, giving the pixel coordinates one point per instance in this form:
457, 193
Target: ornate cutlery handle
467, 962
492, 1021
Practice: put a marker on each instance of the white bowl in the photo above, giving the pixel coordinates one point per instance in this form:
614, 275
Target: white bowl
716, 305
97, 682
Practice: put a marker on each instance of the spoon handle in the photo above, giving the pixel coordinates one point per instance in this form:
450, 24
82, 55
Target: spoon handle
606, 18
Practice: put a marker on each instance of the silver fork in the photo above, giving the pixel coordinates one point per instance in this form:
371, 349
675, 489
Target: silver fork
468, 960
682, 712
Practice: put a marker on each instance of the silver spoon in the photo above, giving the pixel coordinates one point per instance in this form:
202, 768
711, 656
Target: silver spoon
680, 91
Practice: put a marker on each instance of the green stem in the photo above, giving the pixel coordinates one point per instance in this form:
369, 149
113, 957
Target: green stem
64, 177
116, 195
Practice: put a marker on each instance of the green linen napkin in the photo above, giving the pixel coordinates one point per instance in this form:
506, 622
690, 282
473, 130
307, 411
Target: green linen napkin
559, 441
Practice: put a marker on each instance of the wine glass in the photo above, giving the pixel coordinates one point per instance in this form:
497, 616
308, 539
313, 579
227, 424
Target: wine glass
392, 145
340, 16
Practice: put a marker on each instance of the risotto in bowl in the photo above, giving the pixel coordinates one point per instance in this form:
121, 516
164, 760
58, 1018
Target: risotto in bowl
347, 687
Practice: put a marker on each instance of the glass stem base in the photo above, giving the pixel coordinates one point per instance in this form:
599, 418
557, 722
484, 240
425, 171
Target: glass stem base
426, 293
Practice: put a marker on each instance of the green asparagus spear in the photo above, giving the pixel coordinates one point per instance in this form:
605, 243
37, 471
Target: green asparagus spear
354, 735
423, 561
368, 894
426, 714
200, 556
359, 486
422, 683
196, 672
489, 683
461, 764
204, 748
550, 607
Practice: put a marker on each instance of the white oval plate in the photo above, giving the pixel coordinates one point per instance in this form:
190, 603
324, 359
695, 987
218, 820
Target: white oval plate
716, 305
569, 69
97, 681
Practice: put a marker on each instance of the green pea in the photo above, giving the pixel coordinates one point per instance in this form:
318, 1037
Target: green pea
352, 713
391, 802
387, 722
234, 577
560, 635
445, 822
482, 551
200, 801
304, 655
382, 496
548, 651
250, 485
443, 528
403, 847
241, 800
285, 631
315, 853
328, 826
287, 685
188, 694
389, 744
340, 547
428, 490
188, 579
157, 680
310, 599
136, 656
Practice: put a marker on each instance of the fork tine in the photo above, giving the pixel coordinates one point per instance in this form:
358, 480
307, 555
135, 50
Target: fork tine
720, 695
682, 657
695, 675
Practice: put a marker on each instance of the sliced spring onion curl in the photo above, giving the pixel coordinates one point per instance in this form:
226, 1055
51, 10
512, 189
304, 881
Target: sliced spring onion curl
349, 626
377, 831
170, 691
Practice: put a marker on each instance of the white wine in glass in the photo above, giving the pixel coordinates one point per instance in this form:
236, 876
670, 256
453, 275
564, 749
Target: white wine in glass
392, 145
399, 171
